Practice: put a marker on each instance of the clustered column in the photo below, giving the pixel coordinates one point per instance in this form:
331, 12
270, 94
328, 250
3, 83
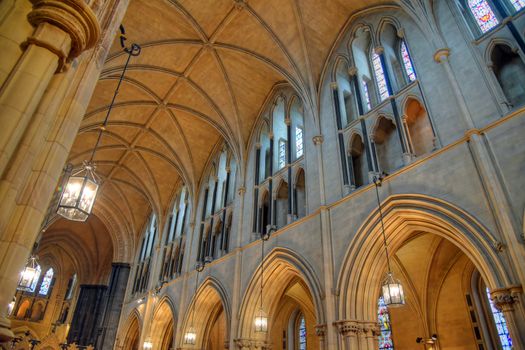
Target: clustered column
29, 100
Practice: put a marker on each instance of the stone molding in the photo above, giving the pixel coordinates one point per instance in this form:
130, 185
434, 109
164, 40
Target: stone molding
318, 140
441, 55
348, 328
320, 330
72, 16
505, 298
252, 344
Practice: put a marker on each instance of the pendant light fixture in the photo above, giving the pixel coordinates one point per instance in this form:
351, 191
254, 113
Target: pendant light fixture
29, 275
392, 289
79, 194
190, 337
148, 345
261, 318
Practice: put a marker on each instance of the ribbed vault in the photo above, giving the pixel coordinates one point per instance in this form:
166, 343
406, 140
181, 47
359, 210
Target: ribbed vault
205, 70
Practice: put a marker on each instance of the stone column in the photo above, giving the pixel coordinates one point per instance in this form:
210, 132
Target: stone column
320, 331
87, 316
116, 293
349, 331
63, 30
506, 300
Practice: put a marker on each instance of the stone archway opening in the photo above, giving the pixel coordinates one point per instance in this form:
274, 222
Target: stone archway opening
162, 326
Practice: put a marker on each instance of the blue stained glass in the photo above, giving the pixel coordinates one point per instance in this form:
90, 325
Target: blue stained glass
380, 77
46, 282
302, 334
299, 146
518, 4
385, 339
501, 325
483, 14
407, 61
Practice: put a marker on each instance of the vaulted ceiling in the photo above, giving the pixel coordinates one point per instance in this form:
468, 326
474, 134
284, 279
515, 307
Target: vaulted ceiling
204, 73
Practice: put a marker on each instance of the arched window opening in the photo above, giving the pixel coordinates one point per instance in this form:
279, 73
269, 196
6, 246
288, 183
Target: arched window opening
281, 206
510, 73
146, 253
297, 120
300, 195
407, 62
391, 43
361, 46
380, 77
46, 284
264, 162
301, 332
37, 312
357, 162
280, 135
483, 14
420, 133
388, 148
501, 324
22, 309
264, 213
348, 109
385, 338
71, 287
226, 238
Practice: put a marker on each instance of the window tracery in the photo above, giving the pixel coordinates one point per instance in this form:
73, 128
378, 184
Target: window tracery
483, 14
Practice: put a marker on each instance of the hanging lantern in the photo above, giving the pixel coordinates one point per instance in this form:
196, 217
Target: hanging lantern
393, 294
261, 321
190, 336
29, 274
78, 195
148, 345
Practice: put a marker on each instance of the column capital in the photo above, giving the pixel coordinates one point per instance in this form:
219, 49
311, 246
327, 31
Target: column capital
352, 71
333, 85
318, 140
320, 330
442, 55
379, 50
505, 298
287, 121
348, 328
241, 191
74, 17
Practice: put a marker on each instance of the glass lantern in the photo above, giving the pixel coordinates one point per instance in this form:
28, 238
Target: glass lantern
261, 322
190, 336
78, 195
29, 274
393, 294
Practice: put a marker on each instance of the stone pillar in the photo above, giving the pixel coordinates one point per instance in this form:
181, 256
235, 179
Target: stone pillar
88, 314
63, 30
116, 293
506, 300
349, 331
320, 331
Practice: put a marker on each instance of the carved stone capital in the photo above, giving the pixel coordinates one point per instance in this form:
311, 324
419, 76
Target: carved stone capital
318, 140
348, 328
441, 55
333, 85
379, 50
240, 4
74, 17
505, 298
241, 191
352, 71
320, 330
245, 344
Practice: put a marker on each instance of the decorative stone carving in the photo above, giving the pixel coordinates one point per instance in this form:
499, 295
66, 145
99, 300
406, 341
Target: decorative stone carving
441, 55
74, 17
348, 328
245, 344
505, 298
318, 140
320, 330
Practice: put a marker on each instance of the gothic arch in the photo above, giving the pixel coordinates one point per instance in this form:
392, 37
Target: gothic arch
163, 319
131, 331
282, 265
364, 263
206, 306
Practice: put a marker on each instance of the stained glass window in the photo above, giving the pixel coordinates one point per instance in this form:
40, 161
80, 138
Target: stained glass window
385, 339
367, 95
282, 154
518, 4
302, 334
407, 61
501, 325
46, 282
380, 77
483, 14
299, 146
